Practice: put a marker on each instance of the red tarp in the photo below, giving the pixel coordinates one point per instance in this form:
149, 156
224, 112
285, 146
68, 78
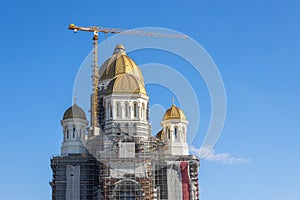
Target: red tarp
184, 166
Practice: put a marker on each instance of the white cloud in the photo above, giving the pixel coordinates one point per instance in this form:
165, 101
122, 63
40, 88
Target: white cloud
224, 158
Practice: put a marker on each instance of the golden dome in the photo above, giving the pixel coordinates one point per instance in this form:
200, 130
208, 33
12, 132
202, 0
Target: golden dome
126, 83
174, 113
119, 63
74, 112
160, 135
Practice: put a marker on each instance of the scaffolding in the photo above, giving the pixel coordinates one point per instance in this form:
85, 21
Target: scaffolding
122, 166
127, 166
135, 168
86, 176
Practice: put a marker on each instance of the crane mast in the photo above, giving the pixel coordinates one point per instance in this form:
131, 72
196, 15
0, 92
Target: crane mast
95, 69
95, 83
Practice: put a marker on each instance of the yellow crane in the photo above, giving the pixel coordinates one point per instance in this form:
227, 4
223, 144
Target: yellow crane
95, 76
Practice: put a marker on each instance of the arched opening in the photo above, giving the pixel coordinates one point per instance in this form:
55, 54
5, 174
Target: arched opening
135, 109
74, 132
118, 109
109, 110
67, 134
175, 132
126, 109
168, 133
128, 190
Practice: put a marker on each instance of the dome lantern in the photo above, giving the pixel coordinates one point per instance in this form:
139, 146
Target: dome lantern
119, 49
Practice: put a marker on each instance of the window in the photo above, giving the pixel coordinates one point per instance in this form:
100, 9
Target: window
67, 134
126, 109
169, 133
118, 110
109, 110
135, 109
74, 132
175, 132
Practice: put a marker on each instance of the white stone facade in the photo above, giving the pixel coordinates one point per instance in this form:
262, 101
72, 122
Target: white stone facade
74, 131
175, 136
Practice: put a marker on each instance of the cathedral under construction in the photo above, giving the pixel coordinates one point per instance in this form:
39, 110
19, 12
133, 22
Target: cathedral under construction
116, 156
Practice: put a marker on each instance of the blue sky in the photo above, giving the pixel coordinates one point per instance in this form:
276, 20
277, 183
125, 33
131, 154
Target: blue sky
255, 45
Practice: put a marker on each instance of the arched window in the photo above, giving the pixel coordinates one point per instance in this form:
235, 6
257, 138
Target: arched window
169, 133
175, 132
118, 109
110, 110
128, 189
126, 109
67, 134
74, 132
135, 109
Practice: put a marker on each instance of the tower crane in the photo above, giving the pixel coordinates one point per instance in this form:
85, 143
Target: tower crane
95, 76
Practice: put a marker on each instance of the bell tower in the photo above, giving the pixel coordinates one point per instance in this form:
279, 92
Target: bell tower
174, 129
75, 171
74, 129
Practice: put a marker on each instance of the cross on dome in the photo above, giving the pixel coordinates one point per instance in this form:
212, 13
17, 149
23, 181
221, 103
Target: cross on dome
75, 100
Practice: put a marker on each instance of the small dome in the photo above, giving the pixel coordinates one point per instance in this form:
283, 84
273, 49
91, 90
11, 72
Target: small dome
126, 83
160, 135
174, 113
74, 112
119, 63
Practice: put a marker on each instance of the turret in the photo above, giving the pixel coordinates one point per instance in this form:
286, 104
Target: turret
173, 133
74, 124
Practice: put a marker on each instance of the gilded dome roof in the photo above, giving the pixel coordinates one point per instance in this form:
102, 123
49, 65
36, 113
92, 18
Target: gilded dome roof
160, 135
74, 112
126, 83
119, 63
174, 113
